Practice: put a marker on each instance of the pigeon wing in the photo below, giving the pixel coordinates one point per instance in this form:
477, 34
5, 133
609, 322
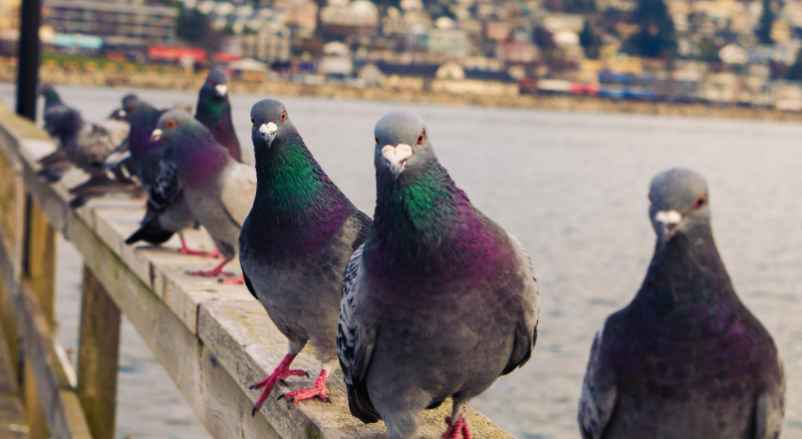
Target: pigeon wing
355, 342
770, 410
599, 393
238, 192
525, 335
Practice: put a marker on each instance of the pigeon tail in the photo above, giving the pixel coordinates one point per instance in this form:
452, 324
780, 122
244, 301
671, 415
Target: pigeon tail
150, 232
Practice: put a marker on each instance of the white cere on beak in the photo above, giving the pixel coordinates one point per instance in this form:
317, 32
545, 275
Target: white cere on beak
221, 89
668, 217
396, 157
156, 135
268, 130
122, 113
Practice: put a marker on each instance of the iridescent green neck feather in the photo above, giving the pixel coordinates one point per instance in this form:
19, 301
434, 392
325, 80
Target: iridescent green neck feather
289, 178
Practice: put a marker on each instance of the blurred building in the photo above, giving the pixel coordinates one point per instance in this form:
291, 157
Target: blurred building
9, 15
117, 21
271, 43
343, 19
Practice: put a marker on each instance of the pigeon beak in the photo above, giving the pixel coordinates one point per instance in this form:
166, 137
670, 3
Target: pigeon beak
268, 131
670, 221
221, 89
396, 157
156, 135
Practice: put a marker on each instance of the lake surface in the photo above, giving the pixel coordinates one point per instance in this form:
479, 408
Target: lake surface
573, 188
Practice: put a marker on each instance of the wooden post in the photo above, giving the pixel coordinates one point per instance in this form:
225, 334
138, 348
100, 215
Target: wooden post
98, 357
39, 260
39, 271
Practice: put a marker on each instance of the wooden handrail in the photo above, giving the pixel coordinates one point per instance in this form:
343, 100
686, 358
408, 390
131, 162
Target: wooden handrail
212, 340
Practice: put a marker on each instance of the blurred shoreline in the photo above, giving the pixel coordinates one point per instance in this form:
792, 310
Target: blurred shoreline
177, 79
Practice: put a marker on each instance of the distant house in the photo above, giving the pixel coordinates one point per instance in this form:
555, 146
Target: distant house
270, 43
343, 19
517, 52
412, 76
371, 76
452, 78
336, 62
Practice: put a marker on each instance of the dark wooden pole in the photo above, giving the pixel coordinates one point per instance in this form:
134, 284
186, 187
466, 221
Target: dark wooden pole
28, 57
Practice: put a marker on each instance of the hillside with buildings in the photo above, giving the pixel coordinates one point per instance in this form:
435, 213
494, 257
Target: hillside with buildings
743, 53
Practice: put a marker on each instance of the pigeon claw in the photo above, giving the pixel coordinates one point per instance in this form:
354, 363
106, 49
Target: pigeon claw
458, 429
314, 392
317, 391
233, 280
282, 371
192, 252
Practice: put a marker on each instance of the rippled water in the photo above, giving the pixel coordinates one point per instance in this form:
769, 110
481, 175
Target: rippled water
573, 188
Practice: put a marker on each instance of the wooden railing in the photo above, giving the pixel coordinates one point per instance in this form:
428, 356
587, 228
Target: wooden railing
213, 340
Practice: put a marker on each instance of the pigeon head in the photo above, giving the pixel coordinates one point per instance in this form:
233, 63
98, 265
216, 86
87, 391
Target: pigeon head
129, 104
173, 125
269, 121
217, 82
50, 94
402, 145
678, 203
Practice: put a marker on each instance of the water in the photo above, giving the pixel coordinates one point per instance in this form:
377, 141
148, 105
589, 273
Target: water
573, 188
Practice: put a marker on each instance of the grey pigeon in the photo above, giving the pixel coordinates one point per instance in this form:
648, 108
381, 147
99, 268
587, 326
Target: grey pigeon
685, 359
214, 111
438, 302
61, 122
295, 244
218, 190
80, 143
145, 154
167, 209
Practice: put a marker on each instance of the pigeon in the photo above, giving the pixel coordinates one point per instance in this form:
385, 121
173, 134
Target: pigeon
61, 122
214, 111
145, 154
294, 246
686, 358
167, 211
438, 302
217, 189
128, 103
89, 148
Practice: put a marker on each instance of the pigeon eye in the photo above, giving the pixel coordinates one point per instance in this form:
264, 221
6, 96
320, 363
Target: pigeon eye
284, 115
169, 124
700, 202
376, 139
421, 137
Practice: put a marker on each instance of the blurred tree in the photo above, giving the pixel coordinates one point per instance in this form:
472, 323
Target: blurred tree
708, 50
590, 41
580, 6
795, 71
543, 39
195, 28
765, 23
656, 37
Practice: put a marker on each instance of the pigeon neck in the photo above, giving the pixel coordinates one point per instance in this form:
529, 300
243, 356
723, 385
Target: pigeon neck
216, 116
295, 198
427, 221
200, 159
686, 274
143, 122
52, 98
